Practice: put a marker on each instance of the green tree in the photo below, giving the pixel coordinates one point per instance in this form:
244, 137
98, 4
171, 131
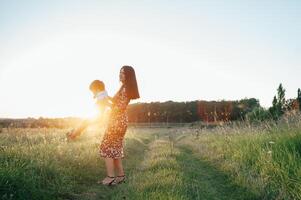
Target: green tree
274, 101
274, 110
278, 106
299, 98
281, 98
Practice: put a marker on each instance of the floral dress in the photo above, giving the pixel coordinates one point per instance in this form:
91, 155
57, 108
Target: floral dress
112, 142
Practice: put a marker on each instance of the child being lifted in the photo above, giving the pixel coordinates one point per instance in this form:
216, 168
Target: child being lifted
103, 101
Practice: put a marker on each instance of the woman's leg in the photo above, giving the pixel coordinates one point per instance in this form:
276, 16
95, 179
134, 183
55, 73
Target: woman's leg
110, 166
110, 170
118, 166
120, 173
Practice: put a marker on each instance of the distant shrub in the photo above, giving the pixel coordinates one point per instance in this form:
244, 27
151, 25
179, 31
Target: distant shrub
259, 114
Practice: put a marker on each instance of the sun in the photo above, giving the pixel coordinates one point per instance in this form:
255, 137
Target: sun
88, 111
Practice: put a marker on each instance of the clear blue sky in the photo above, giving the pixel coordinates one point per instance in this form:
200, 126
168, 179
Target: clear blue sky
181, 50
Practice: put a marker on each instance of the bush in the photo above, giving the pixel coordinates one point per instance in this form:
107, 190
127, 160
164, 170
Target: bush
258, 115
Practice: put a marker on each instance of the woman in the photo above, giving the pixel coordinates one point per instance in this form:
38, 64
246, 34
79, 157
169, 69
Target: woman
111, 147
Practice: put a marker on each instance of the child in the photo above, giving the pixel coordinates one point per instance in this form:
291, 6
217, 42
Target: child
97, 87
101, 95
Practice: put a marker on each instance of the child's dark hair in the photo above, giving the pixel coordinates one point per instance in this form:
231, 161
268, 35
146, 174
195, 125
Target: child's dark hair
97, 85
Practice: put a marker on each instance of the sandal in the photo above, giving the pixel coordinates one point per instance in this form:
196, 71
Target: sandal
116, 181
109, 183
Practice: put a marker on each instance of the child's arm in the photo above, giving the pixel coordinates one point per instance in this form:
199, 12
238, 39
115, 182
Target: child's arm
111, 98
109, 101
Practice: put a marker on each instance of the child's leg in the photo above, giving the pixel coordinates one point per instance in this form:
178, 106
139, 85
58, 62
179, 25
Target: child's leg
82, 126
78, 131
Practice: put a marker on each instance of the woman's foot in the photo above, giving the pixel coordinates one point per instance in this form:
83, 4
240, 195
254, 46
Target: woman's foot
107, 181
118, 180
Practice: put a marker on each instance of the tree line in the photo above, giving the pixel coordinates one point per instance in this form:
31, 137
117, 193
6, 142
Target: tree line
214, 111
191, 111
40, 122
183, 112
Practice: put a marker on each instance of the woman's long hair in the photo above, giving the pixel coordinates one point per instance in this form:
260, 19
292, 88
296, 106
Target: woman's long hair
130, 82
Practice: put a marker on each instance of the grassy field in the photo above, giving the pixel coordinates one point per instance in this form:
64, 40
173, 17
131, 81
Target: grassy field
228, 162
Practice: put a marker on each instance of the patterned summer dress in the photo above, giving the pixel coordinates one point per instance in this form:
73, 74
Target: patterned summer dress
112, 142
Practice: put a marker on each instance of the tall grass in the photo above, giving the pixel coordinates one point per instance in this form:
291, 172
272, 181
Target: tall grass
234, 161
41, 164
265, 158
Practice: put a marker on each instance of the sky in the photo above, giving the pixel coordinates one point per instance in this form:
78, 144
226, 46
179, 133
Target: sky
50, 51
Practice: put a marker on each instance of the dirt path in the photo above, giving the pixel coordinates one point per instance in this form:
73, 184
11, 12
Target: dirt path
163, 171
